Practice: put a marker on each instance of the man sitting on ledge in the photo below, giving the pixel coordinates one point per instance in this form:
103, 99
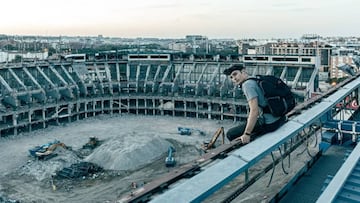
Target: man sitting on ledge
258, 122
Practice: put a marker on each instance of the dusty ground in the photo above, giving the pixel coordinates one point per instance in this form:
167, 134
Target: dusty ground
134, 150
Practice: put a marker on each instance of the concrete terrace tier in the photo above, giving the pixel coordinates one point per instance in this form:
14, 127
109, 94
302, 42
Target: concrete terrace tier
35, 95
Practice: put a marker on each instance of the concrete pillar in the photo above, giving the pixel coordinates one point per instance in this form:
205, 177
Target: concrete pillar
43, 118
111, 106
86, 109
209, 110
57, 117
69, 110
15, 123
94, 107
29, 120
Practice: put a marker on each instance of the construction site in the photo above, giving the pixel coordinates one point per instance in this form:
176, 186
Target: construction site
130, 127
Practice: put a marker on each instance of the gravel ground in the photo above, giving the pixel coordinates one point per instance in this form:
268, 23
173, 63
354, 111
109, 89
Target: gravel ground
133, 150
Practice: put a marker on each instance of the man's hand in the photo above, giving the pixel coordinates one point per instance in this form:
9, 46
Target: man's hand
243, 138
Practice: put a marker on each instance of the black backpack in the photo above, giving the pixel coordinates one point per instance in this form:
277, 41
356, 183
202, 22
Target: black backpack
279, 97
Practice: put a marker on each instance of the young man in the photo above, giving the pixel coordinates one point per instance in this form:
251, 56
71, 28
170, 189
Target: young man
258, 122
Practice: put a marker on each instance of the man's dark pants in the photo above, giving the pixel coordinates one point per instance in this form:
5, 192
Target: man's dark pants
259, 129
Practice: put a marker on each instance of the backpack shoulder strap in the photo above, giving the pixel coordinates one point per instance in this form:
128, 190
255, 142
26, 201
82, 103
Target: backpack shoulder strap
257, 78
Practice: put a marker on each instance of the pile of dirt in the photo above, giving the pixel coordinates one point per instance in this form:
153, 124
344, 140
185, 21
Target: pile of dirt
129, 152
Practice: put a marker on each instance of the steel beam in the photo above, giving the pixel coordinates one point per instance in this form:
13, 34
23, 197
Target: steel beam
336, 186
199, 187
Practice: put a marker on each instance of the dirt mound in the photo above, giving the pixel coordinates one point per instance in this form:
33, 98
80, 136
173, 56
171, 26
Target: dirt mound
129, 152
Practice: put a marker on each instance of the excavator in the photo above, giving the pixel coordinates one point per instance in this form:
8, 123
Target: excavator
45, 151
170, 160
209, 145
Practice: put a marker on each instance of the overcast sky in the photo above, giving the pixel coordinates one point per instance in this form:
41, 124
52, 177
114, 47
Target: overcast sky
176, 18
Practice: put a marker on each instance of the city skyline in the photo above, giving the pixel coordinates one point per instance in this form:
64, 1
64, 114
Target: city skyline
175, 19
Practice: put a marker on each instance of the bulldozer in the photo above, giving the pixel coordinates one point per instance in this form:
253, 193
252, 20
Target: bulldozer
92, 143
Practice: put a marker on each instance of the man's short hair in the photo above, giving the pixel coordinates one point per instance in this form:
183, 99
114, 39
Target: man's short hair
239, 67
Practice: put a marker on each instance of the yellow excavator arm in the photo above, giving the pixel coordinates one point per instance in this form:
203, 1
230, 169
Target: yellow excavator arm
218, 132
50, 149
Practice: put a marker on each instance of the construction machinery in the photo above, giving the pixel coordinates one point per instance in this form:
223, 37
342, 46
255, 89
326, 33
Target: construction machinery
92, 144
211, 144
46, 151
170, 160
188, 131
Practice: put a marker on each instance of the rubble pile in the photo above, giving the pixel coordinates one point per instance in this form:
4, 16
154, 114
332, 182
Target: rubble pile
41, 169
78, 170
129, 152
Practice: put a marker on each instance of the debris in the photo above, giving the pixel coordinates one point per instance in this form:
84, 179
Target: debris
78, 170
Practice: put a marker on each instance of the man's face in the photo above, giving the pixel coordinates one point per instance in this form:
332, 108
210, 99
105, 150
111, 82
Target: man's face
237, 76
